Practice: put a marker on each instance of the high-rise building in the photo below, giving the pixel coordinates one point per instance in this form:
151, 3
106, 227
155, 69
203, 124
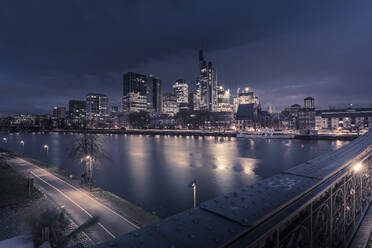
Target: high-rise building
207, 85
155, 85
77, 108
59, 112
134, 92
181, 90
223, 100
96, 105
170, 104
245, 96
309, 102
141, 93
306, 115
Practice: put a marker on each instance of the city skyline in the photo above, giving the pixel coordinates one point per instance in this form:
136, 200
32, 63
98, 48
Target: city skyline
303, 49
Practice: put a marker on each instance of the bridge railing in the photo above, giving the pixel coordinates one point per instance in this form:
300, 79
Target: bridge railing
319, 203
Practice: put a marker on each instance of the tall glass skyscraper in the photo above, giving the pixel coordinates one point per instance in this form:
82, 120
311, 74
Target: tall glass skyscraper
207, 85
141, 93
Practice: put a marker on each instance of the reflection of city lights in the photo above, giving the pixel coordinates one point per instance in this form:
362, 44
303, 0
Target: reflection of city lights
357, 167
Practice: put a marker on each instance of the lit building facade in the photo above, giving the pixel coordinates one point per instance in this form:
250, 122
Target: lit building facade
169, 104
96, 105
141, 93
223, 100
134, 92
245, 96
207, 85
181, 90
344, 119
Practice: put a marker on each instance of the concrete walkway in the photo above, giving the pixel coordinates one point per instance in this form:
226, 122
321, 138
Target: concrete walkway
77, 202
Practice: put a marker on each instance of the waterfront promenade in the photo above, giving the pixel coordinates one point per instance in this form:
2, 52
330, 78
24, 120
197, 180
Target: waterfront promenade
79, 204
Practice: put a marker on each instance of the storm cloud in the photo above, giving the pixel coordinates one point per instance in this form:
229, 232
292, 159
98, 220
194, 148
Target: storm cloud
54, 51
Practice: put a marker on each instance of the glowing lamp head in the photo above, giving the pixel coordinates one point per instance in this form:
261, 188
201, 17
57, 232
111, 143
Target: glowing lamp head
22, 142
46, 146
87, 157
357, 167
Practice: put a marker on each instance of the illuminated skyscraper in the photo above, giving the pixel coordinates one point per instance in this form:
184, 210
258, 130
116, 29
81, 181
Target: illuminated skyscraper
169, 104
207, 85
134, 92
181, 91
223, 100
96, 104
141, 93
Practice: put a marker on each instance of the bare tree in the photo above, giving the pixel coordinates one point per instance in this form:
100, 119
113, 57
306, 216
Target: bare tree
88, 148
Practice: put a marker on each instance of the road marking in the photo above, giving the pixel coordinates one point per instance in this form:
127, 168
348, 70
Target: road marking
112, 211
109, 209
103, 227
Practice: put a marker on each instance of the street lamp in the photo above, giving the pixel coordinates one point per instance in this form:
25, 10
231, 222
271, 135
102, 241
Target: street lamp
90, 174
5, 140
357, 167
46, 147
193, 186
23, 146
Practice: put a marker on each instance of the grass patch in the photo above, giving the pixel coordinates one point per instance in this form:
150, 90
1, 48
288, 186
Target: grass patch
13, 187
138, 214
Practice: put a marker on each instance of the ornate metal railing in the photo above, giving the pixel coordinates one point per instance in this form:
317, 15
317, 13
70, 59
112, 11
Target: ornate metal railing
319, 203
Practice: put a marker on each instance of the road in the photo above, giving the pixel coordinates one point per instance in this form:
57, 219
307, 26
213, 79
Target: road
77, 202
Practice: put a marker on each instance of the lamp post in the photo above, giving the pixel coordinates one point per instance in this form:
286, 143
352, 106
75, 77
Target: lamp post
23, 147
4, 140
193, 186
46, 147
89, 166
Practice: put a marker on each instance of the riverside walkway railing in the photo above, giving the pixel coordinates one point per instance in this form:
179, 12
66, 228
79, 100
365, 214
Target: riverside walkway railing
319, 203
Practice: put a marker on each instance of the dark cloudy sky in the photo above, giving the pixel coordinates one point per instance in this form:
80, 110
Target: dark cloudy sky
53, 51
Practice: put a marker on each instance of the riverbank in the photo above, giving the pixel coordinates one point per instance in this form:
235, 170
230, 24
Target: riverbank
195, 133
21, 209
135, 213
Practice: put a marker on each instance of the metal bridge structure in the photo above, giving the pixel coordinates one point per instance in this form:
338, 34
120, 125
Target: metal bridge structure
319, 203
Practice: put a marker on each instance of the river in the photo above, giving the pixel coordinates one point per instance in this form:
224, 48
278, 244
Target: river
154, 172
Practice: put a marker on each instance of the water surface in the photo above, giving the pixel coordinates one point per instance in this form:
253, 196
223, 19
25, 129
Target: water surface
155, 171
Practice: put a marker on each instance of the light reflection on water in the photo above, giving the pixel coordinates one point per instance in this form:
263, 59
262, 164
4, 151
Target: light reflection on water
154, 171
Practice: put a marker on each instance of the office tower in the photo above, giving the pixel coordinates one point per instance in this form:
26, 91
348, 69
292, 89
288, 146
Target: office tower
181, 91
141, 93
77, 108
96, 105
134, 92
170, 104
223, 100
59, 112
155, 85
207, 85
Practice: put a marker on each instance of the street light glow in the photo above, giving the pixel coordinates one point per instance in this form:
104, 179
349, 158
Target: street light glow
22, 142
46, 146
358, 167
